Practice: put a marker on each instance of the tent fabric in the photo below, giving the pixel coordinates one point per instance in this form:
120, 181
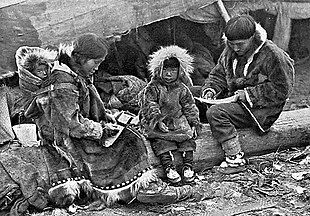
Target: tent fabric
285, 11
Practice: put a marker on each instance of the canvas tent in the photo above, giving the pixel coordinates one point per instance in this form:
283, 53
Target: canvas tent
49, 22
285, 11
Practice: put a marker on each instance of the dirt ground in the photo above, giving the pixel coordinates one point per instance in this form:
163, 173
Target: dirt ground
277, 184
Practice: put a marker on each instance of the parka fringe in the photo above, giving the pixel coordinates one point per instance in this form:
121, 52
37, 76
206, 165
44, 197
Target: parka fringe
110, 196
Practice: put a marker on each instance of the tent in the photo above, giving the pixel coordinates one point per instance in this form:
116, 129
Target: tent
49, 22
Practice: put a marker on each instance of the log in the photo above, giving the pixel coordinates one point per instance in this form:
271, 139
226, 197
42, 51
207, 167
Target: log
292, 129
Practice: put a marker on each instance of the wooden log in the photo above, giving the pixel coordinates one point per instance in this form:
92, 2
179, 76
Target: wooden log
292, 129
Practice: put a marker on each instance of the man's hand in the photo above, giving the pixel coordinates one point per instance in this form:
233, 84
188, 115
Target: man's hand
209, 95
240, 95
163, 127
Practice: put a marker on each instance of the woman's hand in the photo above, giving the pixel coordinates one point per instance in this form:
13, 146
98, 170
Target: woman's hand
110, 118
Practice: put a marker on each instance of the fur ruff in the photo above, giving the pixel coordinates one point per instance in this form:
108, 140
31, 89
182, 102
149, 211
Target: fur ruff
158, 57
26, 54
109, 197
65, 53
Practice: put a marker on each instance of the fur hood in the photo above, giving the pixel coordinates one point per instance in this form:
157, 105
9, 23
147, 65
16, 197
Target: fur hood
29, 56
158, 57
64, 53
26, 55
68, 63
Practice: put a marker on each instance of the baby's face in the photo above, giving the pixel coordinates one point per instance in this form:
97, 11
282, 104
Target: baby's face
41, 71
170, 74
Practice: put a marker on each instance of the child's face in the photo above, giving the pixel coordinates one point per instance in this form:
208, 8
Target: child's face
41, 71
170, 74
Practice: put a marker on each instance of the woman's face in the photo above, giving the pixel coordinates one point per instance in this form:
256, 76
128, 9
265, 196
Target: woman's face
240, 46
91, 65
42, 71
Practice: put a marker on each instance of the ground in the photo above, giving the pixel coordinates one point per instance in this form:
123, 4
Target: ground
276, 184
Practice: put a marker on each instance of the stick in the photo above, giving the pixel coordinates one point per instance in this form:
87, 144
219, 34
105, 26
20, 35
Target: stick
223, 10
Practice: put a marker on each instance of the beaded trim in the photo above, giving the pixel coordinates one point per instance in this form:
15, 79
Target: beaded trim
124, 184
54, 184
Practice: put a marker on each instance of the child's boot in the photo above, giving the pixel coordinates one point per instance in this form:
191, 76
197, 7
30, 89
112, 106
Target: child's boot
188, 173
172, 175
169, 168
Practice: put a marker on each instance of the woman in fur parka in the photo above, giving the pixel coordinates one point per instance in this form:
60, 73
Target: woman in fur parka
73, 125
168, 111
258, 73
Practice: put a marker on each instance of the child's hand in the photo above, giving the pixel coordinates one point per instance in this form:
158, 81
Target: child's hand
163, 127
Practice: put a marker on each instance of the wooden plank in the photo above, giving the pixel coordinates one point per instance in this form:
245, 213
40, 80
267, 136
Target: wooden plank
292, 129
7, 3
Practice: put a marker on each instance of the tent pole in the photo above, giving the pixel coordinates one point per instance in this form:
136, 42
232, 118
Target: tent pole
223, 10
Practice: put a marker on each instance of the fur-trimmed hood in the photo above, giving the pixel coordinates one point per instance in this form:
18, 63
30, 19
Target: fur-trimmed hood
65, 60
157, 58
28, 56
64, 53
25, 54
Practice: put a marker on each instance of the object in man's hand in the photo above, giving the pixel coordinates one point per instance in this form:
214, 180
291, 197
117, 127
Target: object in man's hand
218, 101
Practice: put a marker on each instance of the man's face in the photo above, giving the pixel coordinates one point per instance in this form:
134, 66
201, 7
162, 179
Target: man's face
170, 74
91, 65
240, 46
41, 71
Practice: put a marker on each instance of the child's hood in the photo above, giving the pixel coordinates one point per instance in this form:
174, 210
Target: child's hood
157, 58
29, 56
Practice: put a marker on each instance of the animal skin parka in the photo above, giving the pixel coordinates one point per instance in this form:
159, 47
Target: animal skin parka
266, 74
171, 103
